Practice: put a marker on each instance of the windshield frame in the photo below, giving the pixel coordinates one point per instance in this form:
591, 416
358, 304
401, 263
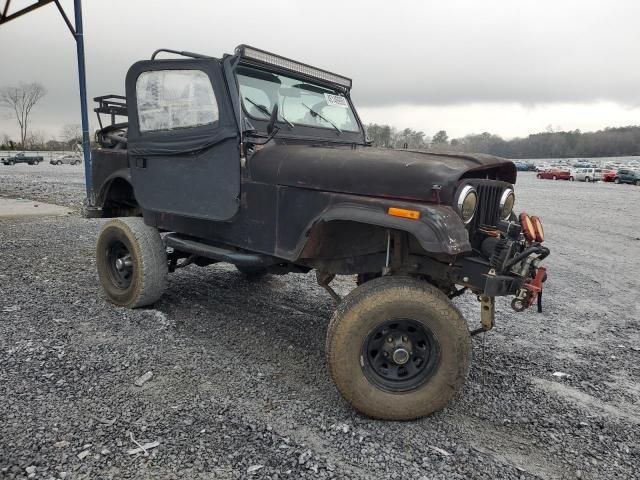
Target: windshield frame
299, 131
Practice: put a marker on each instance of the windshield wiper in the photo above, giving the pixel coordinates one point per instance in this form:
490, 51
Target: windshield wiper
266, 111
316, 114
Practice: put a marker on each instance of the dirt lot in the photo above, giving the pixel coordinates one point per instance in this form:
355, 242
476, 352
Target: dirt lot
240, 388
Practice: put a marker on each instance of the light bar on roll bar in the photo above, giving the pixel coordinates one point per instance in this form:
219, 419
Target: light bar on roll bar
252, 53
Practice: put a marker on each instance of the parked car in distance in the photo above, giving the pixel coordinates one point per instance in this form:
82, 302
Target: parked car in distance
587, 174
555, 174
609, 175
521, 166
628, 176
66, 159
23, 158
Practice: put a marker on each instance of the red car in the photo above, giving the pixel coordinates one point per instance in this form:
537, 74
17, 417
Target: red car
555, 174
609, 175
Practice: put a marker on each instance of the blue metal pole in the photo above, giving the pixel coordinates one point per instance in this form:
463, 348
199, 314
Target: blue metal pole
86, 144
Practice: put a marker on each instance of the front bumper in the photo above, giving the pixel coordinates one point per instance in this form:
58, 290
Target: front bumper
477, 274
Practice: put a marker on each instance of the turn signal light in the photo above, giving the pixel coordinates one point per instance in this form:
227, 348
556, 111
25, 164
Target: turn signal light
527, 227
537, 226
404, 213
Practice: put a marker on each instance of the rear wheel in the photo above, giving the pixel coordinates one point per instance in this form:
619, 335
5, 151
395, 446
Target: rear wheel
59, 162
132, 262
10, 162
35, 162
587, 179
571, 178
398, 349
539, 176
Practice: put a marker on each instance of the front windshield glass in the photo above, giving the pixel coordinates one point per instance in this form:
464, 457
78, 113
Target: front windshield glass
299, 102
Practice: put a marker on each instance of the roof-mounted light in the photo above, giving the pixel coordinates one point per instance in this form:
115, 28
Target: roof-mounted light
245, 51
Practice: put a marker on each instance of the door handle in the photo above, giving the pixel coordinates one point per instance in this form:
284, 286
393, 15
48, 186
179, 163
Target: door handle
141, 162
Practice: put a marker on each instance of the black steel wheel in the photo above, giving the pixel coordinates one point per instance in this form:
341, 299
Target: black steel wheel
397, 348
132, 262
400, 355
120, 264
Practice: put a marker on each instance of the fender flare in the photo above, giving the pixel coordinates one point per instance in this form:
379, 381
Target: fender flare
122, 174
439, 229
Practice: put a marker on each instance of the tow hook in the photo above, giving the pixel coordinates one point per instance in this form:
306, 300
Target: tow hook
530, 292
487, 314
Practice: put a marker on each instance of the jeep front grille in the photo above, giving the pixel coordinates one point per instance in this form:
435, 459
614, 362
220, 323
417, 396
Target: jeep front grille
488, 211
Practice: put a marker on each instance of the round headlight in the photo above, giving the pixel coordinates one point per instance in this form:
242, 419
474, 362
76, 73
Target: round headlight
507, 200
467, 202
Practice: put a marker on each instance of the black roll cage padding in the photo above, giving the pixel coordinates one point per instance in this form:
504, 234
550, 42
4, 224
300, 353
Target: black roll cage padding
179, 52
543, 251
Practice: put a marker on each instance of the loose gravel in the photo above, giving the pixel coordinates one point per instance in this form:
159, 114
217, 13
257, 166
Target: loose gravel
226, 378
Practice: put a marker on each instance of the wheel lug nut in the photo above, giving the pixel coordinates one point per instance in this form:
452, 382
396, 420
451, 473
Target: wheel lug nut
404, 339
390, 339
386, 354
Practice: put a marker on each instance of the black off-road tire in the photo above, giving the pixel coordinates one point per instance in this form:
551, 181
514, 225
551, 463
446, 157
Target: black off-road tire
148, 278
252, 273
367, 308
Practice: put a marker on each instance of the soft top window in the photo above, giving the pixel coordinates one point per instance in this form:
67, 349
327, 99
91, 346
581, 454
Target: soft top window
171, 99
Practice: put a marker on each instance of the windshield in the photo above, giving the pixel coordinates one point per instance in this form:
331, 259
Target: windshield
299, 102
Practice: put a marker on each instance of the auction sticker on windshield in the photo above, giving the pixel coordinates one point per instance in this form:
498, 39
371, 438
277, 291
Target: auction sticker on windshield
336, 100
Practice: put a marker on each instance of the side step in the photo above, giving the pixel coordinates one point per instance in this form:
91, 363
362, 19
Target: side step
219, 254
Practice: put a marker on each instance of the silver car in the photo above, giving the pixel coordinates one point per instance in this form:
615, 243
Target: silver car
587, 174
66, 159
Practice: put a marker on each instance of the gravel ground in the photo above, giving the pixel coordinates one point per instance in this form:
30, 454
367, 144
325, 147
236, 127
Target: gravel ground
240, 388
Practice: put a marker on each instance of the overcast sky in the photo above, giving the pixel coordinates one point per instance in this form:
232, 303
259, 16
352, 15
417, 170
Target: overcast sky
509, 67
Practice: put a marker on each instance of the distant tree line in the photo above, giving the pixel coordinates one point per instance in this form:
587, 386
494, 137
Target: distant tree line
610, 142
69, 138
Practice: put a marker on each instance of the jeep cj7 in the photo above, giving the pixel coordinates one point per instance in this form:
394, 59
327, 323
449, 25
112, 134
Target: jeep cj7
262, 162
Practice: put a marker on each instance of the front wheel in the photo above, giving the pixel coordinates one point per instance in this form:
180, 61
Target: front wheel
398, 349
35, 162
132, 262
587, 179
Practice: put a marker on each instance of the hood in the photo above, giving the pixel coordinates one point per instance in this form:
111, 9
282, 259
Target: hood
377, 172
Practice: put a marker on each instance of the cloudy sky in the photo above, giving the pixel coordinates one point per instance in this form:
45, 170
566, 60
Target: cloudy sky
511, 67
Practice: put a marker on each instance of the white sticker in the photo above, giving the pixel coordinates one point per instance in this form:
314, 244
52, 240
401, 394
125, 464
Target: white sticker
336, 100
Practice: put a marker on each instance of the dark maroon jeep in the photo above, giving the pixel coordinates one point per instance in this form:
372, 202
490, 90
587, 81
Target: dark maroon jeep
262, 162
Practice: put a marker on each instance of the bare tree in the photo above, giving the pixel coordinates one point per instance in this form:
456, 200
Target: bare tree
21, 99
71, 134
